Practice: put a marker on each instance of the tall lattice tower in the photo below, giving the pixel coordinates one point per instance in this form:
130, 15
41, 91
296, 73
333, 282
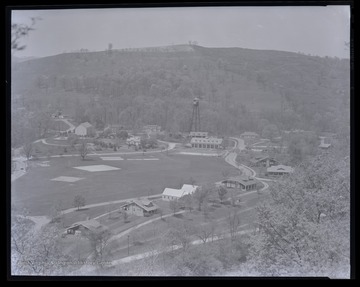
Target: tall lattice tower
195, 120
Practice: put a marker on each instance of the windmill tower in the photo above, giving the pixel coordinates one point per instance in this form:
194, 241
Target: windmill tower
195, 120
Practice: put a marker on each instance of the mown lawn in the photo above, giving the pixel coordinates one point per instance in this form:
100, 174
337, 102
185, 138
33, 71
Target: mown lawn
38, 193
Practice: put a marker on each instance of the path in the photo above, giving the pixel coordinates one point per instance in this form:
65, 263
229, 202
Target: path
231, 159
110, 202
87, 269
172, 248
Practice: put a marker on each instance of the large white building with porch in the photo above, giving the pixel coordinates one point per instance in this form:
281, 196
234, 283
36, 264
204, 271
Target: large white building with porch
209, 143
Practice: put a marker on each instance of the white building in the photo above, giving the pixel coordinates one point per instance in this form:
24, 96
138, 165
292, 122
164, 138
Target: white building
84, 129
212, 143
175, 194
135, 140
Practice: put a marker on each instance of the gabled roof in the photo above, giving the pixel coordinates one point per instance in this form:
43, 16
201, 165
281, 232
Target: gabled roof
259, 159
91, 224
324, 145
280, 168
86, 125
244, 180
172, 192
188, 189
185, 189
145, 204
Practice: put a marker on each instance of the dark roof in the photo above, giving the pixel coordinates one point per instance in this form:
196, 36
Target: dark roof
145, 204
259, 159
244, 180
91, 225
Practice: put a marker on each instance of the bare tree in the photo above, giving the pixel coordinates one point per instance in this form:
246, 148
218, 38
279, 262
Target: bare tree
232, 196
201, 194
234, 223
35, 253
28, 150
174, 205
79, 201
125, 216
19, 31
222, 191
84, 150
99, 242
56, 212
204, 232
187, 201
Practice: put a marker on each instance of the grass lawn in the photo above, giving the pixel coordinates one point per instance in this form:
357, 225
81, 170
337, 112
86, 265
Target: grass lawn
151, 236
38, 193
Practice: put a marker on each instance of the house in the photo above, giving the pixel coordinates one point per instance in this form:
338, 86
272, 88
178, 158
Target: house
211, 142
279, 170
324, 143
134, 140
263, 161
140, 207
249, 136
84, 129
245, 183
152, 129
175, 194
87, 227
198, 134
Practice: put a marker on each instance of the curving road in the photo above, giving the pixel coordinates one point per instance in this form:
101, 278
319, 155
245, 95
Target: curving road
231, 159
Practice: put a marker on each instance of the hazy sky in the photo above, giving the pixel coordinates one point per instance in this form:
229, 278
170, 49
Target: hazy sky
311, 30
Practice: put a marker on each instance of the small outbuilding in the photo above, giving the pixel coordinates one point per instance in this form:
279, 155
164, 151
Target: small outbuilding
86, 227
279, 170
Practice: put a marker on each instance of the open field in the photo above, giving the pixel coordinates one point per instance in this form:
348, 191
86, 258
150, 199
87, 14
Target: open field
37, 192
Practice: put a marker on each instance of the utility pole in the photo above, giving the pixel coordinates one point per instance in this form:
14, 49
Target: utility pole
128, 244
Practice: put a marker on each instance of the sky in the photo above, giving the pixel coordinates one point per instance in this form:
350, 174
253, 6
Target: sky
320, 31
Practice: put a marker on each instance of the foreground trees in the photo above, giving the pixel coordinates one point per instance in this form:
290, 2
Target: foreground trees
305, 230
36, 252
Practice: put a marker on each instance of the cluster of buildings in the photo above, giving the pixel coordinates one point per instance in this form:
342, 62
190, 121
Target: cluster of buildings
202, 140
133, 141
